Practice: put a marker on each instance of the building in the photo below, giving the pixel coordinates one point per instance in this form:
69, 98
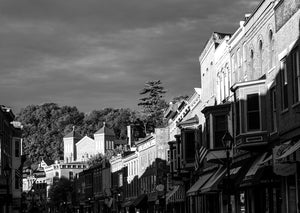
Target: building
80, 149
10, 172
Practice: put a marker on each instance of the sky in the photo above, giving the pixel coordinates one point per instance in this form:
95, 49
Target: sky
94, 54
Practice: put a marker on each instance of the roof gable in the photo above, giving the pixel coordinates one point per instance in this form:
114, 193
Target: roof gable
85, 139
72, 134
105, 130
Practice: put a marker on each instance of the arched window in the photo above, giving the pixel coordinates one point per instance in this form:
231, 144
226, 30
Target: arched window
251, 63
260, 57
271, 50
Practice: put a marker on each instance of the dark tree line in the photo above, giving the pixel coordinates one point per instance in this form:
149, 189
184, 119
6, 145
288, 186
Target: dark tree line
45, 125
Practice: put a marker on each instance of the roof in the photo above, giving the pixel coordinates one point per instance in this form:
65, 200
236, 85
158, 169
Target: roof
105, 130
72, 134
48, 161
143, 140
192, 120
120, 142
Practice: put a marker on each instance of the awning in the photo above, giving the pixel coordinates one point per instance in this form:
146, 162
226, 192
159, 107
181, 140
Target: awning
255, 166
200, 182
290, 150
255, 171
176, 195
140, 201
127, 203
212, 183
267, 161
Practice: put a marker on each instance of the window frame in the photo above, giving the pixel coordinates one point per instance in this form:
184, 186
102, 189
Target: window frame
295, 60
247, 112
274, 108
284, 84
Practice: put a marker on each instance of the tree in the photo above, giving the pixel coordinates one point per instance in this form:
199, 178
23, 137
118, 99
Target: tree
60, 193
180, 98
153, 105
44, 128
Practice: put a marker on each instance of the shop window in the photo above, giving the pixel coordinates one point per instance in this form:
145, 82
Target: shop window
253, 114
284, 85
296, 74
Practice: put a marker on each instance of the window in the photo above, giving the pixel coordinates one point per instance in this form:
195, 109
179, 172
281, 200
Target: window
17, 148
260, 57
120, 179
17, 181
220, 125
271, 50
251, 63
284, 85
189, 145
237, 110
71, 176
296, 75
253, 114
273, 112
207, 132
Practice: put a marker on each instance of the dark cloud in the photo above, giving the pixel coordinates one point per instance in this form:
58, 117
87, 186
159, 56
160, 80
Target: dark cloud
96, 53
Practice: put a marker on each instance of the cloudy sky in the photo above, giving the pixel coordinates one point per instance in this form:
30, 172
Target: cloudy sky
99, 53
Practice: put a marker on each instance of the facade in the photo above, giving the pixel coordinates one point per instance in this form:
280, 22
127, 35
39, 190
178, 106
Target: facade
10, 174
258, 173
80, 149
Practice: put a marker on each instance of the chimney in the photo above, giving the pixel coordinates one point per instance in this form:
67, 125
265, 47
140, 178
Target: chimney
129, 135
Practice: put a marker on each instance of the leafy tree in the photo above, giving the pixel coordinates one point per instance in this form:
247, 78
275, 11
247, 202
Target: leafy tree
61, 192
152, 105
179, 98
44, 128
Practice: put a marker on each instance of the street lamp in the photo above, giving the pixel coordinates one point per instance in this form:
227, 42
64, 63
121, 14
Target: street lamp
227, 142
6, 172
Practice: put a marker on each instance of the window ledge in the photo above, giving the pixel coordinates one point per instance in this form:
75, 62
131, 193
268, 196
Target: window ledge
296, 105
273, 133
284, 111
271, 69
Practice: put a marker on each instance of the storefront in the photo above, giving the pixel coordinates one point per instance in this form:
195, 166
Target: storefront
175, 199
286, 158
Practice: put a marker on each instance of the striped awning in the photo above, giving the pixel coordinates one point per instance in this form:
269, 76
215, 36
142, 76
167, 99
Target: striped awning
290, 150
200, 182
176, 195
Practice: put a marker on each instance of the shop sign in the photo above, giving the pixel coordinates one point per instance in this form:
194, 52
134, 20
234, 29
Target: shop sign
285, 169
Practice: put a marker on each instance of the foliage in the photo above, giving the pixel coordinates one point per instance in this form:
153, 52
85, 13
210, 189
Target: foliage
99, 158
95, 159
179, 98
153, 105
61, 191
44, 127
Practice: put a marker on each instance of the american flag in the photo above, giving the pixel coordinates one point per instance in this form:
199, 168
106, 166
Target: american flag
19, 176
199, 156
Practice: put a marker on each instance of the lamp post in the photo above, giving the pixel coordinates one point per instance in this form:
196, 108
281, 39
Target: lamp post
227, 142
6, 171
